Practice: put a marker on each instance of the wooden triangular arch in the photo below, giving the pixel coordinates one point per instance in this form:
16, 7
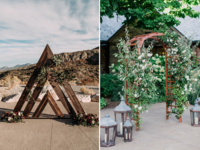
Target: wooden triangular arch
71, 108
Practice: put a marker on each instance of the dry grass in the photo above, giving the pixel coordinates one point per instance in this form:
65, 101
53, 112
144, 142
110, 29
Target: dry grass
94, 83
11, 81
87, 91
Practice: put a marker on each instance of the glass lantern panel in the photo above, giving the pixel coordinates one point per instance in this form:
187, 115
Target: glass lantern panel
191, 114
103, 135
112, 135
196, 119
119, 122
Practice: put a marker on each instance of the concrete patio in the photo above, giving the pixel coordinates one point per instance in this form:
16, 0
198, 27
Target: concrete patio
157, 133
47, 134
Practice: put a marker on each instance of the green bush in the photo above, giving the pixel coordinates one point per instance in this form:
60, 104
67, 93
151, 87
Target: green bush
111, 86
158, 63
195, 88
103, 103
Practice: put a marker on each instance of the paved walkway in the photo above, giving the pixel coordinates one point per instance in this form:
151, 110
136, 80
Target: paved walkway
157, 133
47, 134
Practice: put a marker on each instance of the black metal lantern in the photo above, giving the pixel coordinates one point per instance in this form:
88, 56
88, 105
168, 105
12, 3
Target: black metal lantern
108, 124
121, 112
127, 130
195, 114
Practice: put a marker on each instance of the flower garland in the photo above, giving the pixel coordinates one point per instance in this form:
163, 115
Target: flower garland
12, 117
86, 119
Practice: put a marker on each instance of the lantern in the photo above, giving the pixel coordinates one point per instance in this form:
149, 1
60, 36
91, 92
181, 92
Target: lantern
195, 114
127, 129
108, 124
121, 112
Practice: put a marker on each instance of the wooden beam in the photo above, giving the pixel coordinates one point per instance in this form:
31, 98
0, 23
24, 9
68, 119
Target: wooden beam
47, 54
41, 106
59, 92
73, 97
34, 97
53, 105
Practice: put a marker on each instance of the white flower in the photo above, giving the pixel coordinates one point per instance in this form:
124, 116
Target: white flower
187, 77
143, 60
10, 118
136, 106
142, 74
182, 92
19, 114
136, 95
93, 121
142, 89
195, 79
156, 70
140, 78
149, 55
146, 111
140, 57
140, 107
184, 51
185, 87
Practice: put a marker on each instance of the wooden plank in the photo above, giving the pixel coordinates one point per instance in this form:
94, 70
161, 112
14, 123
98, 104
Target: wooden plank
59, 92
69, 105
41, 106
53, 105
73, 97
35, 95
47, 53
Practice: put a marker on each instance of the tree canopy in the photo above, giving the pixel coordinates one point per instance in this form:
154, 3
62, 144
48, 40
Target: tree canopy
150, 14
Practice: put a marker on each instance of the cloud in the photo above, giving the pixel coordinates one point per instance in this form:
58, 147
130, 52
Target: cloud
27, 26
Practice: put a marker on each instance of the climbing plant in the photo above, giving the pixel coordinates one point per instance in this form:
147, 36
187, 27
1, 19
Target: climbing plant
181, 63
137, 70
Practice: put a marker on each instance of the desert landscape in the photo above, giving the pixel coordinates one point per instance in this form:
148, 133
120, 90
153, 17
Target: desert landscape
82, 69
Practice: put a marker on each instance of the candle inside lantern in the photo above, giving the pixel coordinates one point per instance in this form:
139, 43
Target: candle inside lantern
126, 136
121, 127
105, 138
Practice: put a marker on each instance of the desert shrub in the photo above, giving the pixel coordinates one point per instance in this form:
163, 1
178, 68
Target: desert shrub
111, 86
103, 103
87, 91
11, 81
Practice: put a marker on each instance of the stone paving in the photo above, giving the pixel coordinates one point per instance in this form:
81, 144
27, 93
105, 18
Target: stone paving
157, 133
48, 134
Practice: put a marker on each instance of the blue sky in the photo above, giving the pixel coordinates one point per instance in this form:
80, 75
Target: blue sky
26, 26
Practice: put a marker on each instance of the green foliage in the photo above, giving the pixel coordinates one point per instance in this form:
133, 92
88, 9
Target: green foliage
181, 63
137, 70
111, 86
150, 14
181, 102
103, 103
195, 93
57, 60
159, 71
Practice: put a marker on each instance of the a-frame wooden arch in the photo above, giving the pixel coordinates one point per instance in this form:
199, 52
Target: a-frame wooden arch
168, 82
71, 108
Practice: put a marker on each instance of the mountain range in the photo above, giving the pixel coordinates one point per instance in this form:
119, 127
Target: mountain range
5, 68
